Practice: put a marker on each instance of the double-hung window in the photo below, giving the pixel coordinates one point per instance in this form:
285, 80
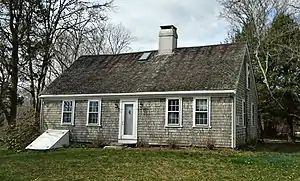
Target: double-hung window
201, 107
93, 112
68, 107
173, 112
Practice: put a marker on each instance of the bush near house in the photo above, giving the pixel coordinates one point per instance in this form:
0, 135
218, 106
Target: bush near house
25, 131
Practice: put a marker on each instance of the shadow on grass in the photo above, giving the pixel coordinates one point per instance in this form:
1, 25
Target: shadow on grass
281, 147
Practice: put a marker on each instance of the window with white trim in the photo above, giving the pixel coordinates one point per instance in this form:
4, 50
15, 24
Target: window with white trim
244, 115
248, 75
173, 112
201, 112
252, 114
67, 112
93, 112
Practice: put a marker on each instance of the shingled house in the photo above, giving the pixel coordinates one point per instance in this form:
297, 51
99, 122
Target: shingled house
190, 96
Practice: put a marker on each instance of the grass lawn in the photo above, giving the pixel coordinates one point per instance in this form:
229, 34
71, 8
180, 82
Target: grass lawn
137, 164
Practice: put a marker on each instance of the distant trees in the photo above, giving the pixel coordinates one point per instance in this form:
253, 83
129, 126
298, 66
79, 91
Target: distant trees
39, 39
114, 39
98, 38
273, 36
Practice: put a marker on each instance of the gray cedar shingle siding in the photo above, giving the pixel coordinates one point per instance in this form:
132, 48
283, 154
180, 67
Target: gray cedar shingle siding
249, 96
252, 98
195, 68
151, 123
80, 132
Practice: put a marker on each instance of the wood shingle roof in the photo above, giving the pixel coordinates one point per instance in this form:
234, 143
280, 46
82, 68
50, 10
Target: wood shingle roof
214, 67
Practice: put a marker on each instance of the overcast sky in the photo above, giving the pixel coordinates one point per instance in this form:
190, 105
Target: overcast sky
197, 21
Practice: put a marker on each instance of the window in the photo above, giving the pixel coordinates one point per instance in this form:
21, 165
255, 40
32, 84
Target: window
252, 114
67, 112
248, 76
173, 112
201, 112
244, 115
93, 112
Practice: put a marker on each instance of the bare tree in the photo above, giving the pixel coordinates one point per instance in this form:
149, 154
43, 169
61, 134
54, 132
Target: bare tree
107, 39
29, 30
99, 38
56, 18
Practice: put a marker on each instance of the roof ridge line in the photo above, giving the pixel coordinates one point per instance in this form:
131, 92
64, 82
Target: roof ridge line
146, 51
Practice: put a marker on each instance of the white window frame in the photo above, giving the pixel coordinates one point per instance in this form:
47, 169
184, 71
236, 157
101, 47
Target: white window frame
247, 76
243, 113
72, 112
208, 125
167, 111
99, 113
252, 114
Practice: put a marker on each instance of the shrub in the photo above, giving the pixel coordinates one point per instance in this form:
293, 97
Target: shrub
210, 144
172, 144
141, 143
23, 133
100, 141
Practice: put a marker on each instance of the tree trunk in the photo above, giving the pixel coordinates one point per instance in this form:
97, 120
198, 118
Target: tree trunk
260, 129
291, 137
14, 86
14, 65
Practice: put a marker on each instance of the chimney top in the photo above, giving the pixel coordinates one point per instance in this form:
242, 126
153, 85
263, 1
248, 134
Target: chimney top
168, 27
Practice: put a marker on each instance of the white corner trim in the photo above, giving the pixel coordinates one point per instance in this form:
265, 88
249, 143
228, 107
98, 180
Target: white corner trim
120, 120
233, 126
99, 113
141, 94
243, 113
180, 113
208, 112
72, 115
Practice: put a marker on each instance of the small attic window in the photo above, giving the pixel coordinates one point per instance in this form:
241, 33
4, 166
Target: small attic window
145, 56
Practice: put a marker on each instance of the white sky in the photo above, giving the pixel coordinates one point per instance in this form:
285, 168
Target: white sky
197, 21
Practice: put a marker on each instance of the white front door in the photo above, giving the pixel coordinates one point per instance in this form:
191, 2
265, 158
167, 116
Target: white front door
128, 122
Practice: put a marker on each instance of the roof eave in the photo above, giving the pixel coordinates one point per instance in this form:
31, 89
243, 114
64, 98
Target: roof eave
137, 94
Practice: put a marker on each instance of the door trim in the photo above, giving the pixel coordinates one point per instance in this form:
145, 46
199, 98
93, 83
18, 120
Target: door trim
132, 140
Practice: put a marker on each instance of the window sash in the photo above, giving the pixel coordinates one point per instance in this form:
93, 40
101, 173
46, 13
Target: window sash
93, 118
67, 108
201, 120
67, 117
173, 105
173, 118
93, 112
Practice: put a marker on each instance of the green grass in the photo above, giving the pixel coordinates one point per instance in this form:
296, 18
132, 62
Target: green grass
137, 164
